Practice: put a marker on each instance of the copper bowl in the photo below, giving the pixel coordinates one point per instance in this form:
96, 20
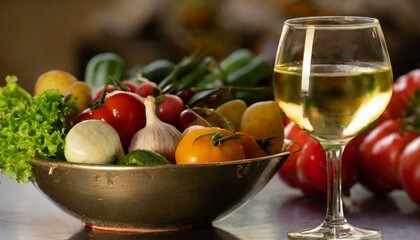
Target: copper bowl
154, 198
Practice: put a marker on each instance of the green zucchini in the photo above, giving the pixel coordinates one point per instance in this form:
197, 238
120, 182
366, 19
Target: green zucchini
157, 70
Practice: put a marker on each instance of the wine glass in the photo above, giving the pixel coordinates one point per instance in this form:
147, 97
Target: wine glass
333, 77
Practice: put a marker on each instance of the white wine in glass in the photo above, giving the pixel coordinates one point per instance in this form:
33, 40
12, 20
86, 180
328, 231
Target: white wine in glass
333, 77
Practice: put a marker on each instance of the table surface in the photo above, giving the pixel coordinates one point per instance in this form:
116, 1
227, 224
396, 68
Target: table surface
26, 214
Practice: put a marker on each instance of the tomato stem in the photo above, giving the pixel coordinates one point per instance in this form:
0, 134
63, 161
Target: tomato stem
412, 120
199, 116
217, 138
265, 144
111, 81
101, 99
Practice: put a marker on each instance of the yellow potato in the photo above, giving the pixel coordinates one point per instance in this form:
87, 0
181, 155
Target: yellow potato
265, 120
82, 92
233, 111
54, 79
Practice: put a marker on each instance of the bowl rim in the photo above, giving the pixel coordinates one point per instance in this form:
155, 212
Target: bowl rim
290, 147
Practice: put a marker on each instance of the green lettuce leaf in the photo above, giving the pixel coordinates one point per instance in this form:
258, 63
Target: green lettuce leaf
12, 96
31, 127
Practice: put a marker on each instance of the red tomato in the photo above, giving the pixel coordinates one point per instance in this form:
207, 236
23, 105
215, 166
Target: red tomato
409, 169
366, 165
307, 170
351, 162
98, 93
98, 113
124, 111
288, 170
169, 108
407, 84
311, 166
385, 155
376, 134
380, 156
396, 108
382, 151
129, 113
403, 89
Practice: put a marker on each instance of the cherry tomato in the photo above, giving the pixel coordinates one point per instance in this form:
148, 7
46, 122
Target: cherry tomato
169, 108
206, 145
123, 110
98, 93
147, 89
186, 118
186, 95
409, 169
131, 87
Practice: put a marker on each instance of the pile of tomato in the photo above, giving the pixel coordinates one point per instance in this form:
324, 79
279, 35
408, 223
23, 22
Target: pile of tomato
384, 158
123, 110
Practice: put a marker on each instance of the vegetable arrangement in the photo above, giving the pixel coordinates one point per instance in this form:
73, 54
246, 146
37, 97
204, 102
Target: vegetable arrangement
384, 158
196, 111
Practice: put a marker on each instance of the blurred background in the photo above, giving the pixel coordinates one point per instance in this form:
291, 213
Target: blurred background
37, 36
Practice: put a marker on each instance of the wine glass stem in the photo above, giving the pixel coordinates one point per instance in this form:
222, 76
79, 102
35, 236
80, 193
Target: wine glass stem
335, 214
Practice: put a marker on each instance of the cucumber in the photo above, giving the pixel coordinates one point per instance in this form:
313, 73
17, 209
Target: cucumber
101, 67
196, 74
143, 157
181, 69
236, 60
157, 70
231, 63
250, 75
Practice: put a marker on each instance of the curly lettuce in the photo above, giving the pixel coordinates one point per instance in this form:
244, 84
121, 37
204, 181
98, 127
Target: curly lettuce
31, 127
12, 96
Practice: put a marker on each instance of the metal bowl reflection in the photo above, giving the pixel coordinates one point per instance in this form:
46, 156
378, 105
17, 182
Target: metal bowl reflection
155, 198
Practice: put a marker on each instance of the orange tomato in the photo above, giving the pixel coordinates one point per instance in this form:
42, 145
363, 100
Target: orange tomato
251, 147
206, 145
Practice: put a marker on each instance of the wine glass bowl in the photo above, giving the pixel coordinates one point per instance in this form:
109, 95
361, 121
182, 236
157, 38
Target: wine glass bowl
333, 77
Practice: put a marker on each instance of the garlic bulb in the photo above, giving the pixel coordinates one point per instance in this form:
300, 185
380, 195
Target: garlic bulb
156, 136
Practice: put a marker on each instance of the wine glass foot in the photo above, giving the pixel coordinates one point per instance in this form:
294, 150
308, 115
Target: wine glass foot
336, 232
